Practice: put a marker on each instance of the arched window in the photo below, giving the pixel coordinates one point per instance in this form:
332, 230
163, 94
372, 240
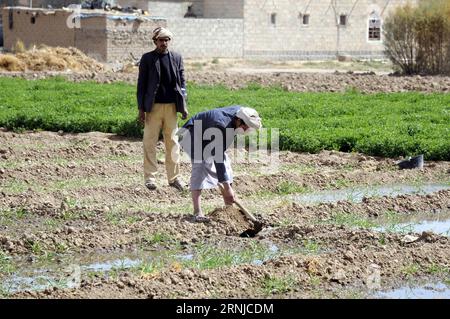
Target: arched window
374, 27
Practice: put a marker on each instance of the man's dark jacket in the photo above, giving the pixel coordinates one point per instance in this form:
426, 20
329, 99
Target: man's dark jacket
220, 118
149, 79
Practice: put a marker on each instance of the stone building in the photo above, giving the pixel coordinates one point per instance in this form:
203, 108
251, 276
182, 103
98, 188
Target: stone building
105, 37
265, 29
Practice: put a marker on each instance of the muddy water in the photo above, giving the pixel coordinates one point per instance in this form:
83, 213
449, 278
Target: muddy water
66, 271
69, 270
358, 193
437, 290
438, 223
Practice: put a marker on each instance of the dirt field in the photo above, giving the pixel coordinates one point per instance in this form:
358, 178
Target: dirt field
329, 76
75, 213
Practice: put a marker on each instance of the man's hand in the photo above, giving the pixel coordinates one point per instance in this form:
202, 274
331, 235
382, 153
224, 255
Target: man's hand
184, 115
141, 116
228, 194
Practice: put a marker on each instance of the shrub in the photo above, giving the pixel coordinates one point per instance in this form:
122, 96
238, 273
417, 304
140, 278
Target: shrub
417, 39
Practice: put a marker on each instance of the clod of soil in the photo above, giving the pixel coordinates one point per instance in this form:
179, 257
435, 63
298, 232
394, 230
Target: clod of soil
232, 220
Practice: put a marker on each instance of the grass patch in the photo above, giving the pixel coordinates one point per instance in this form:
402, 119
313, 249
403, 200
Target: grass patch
311, 246
382, 124
14, 214
157, 239
289, 187
151, 268
436, 269
285, 222
15, 186
338, 184
6, 265
410, 270
210, 257
299, 168
314, 280
274, 285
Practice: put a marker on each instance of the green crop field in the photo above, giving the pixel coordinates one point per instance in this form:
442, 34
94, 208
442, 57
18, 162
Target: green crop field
394, 124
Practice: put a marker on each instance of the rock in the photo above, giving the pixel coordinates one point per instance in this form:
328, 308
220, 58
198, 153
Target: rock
69, 229
167, 281
9, 246
78, 242
338, 276
409, 239
427, 236
349, 255
120, 285
30, 238
186, 273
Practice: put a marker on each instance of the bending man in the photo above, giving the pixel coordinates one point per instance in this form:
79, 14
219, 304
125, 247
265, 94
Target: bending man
205, 138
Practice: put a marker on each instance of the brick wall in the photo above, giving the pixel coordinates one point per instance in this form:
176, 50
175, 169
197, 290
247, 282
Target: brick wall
223, 9
196, 38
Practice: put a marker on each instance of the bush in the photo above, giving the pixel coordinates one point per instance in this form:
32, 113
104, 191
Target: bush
417, 39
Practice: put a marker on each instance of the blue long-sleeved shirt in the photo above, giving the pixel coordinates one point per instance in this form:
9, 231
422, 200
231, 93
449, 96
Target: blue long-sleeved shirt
220, 119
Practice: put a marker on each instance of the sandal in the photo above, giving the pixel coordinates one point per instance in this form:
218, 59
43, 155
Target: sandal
201, 219
151, 185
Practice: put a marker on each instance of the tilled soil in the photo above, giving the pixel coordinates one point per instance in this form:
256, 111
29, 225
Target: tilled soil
69, 194
291, 81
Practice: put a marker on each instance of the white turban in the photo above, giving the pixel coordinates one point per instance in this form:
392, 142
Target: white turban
161, 32
250, 117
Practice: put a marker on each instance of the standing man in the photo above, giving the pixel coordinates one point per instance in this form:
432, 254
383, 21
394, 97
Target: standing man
161, 93
205, 138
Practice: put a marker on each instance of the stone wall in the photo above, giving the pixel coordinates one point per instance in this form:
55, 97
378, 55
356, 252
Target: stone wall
129, 39
284, 36
207, 38
168, 9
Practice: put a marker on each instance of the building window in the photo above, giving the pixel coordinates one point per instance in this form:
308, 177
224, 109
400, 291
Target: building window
273, 19
305, 19
343, 19
33, 20
374, 27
